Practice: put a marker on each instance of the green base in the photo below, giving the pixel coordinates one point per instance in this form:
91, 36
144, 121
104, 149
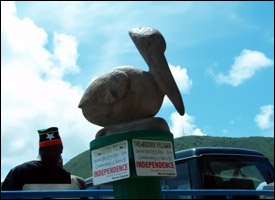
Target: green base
134, 187
138, 188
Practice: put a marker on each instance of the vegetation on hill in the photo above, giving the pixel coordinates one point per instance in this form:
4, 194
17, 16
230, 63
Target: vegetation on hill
81, 166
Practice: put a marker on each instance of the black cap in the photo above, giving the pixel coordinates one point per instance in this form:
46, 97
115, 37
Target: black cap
49, 137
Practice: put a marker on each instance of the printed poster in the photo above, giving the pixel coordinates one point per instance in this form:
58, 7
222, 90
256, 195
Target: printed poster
154, 158
110, 163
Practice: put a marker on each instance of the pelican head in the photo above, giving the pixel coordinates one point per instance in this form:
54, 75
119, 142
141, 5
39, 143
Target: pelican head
151, 45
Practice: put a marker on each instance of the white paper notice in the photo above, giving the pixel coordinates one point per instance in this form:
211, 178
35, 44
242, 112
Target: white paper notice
154, 158
110, 163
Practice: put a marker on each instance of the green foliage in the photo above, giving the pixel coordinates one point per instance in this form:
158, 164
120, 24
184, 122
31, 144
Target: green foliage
81, 166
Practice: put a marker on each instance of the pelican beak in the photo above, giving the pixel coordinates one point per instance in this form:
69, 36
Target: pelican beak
151, 45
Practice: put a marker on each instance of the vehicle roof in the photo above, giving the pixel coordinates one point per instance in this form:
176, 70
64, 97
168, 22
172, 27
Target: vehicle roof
198, 151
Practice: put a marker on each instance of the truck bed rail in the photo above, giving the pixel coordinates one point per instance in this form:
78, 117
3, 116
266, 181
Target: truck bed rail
109, 192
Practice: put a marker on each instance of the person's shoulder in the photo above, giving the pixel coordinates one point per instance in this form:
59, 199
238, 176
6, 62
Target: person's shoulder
29, 164
25, 167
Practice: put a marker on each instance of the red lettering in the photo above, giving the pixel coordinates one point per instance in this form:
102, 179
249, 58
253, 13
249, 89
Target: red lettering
154, 164
110, 170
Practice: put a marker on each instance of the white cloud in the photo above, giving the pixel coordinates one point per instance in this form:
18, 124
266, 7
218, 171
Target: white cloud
183, 82
184, 125
65, 52
245, 66
265, 119
33, 93
182, 79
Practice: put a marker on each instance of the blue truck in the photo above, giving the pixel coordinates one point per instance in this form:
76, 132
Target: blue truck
221, 168
224, 168
202, 172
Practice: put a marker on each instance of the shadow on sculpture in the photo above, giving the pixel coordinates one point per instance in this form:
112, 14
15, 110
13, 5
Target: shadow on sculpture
128, 96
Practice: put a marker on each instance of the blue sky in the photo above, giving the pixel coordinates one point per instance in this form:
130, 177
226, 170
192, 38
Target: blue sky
220, 53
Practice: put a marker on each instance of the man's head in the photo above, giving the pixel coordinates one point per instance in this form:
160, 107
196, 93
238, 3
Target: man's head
50, 146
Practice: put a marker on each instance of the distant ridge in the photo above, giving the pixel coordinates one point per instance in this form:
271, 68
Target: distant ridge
80, 164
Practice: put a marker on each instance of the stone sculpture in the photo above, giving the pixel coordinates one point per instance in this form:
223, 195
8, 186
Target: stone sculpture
128, 94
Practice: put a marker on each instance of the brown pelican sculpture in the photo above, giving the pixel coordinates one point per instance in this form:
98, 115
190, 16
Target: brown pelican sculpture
127, 94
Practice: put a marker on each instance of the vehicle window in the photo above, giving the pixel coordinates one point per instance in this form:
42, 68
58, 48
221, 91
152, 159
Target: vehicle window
182, 180
232, 172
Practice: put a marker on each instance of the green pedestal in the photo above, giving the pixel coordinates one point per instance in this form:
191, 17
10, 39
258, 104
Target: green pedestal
138, 188
135, 187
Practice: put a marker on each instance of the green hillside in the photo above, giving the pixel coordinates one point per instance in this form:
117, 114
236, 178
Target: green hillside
80, 165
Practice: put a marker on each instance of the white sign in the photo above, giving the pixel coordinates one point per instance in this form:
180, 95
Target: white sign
110, 163
154, 158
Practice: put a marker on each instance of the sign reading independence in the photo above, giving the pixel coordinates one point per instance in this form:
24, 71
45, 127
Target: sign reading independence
154, 158
110, 163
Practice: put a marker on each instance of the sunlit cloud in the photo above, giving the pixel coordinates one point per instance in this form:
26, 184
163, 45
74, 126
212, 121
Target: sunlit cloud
33, 92
244, 67
184, 125
265, 119
182, 79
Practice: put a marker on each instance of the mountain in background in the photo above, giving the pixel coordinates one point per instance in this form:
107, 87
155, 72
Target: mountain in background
80, 165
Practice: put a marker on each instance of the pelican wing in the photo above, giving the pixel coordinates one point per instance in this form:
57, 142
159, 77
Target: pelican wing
106, 90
